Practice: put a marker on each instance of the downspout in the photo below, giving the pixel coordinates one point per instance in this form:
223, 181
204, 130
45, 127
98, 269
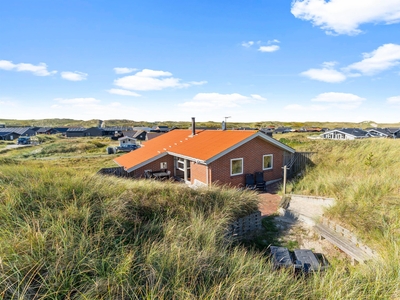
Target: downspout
175, 165
185, 177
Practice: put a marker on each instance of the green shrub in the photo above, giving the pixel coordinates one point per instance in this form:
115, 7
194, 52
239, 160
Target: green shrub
98, 144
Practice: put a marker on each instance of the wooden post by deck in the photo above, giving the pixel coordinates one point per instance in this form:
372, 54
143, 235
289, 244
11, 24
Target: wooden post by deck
284, 180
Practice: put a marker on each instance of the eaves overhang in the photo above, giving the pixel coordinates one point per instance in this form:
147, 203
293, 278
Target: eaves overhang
135, 167
196, 160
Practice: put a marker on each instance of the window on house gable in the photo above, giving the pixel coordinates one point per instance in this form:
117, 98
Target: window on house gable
267, 162
236, 166
180, 164
163, 165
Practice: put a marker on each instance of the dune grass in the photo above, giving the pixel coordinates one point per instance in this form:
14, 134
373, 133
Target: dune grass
57, 147
364, 178
66, 233
69, 235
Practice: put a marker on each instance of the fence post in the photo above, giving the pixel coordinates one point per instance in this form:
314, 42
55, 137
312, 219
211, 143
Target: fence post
284, 180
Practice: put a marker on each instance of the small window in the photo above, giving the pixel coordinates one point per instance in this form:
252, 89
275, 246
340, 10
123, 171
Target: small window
267, 162
236, 166
180, 164
163, 165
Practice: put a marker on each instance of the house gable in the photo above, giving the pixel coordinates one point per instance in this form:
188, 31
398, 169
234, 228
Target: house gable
260, 135
23, 131
252, 154
378, 132
10, 136
154, 165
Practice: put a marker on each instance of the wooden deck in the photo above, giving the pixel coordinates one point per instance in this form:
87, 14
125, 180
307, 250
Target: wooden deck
351, 249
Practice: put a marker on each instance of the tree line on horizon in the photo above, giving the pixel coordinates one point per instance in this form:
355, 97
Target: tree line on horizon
186, 124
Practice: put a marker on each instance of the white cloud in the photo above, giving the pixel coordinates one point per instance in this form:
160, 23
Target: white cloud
124, 70
294, 107
6, 65
258, 97
385, 57
197, 82
271, 48
325, 74
298, 107
122, 92
345, 16
329, 101
381, 59
351, 75
329, 64
38, 70
89, 108
211, 101
7, 102
248, 44
340, 100
74, 76
150, 80
337, 97
274, 41
78, 101
393, 100
152, 73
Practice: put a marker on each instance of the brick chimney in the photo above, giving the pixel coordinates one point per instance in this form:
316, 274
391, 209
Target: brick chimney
193, 126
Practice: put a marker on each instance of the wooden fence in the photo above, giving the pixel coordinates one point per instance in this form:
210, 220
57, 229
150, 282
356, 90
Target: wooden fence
117, 171
297, 162
245, 227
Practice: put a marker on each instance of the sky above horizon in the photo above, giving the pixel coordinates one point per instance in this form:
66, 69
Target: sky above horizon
154, 60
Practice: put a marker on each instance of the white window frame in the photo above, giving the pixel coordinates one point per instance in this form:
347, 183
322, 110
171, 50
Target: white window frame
163, 165
180, 164
235, 159
272, 162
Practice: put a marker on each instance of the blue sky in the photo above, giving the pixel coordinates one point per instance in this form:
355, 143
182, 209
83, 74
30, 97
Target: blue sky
154, 60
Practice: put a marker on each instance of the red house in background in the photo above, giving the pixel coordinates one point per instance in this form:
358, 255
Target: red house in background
209, 156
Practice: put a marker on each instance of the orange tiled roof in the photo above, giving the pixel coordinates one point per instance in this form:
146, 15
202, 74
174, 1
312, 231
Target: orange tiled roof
209, 143
203, 146
151, 149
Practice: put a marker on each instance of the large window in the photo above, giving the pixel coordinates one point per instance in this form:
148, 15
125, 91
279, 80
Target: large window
236, 166
267, 162
180, 164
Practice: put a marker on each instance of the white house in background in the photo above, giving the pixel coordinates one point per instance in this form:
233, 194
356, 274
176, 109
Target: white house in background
379, 132
126, 140
345, 134
385, 132
394, 132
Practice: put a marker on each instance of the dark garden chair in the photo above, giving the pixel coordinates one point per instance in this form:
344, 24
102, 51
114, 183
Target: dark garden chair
260, 182
250, 182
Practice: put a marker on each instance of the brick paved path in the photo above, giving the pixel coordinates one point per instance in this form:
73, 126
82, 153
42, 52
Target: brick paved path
269, 201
